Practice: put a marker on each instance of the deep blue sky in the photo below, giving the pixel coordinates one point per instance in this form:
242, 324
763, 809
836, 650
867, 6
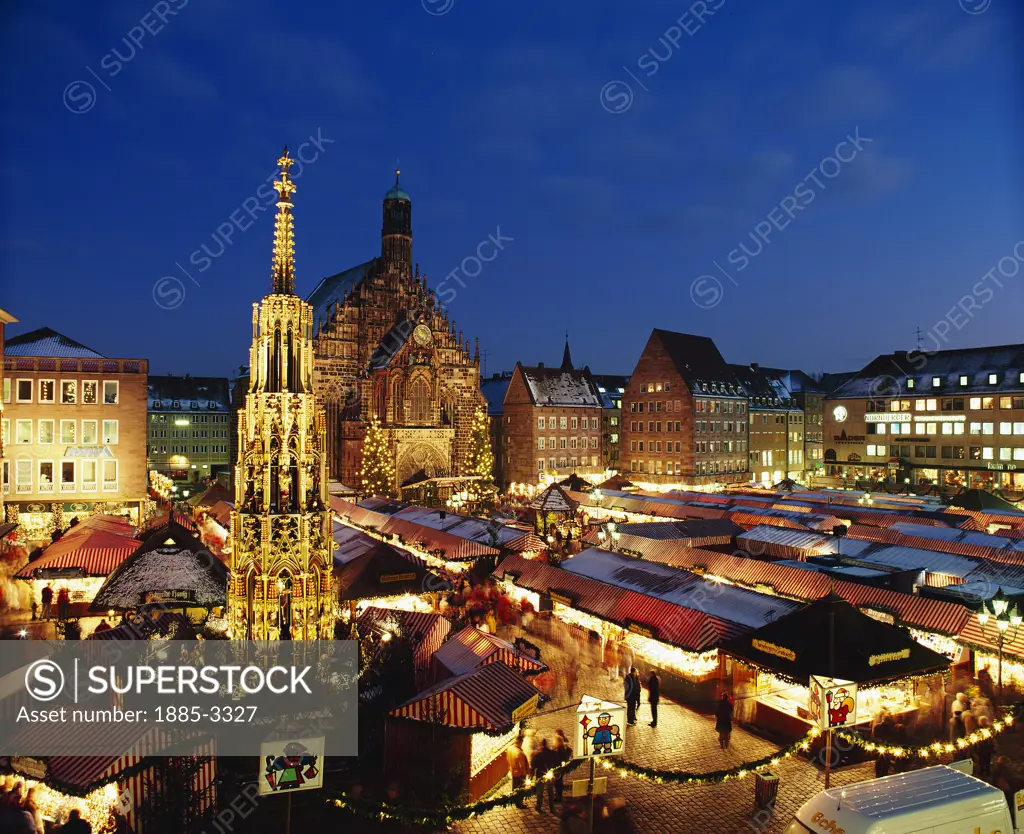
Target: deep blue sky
495, 111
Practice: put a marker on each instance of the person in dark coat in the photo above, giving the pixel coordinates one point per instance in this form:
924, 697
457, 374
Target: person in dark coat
47, 597
654, 695
545, 759
723, 720
984, 750
632, 691
75, 824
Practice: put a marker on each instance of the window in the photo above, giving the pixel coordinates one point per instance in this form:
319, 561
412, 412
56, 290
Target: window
7, 389
562, 422
109, 475
561, 443
987, 453
974, 403
67, 432
552, 443
89, 391
574, 423
1005, 453
23, 431
931, 405
936, 382
668, 386
45, 477
993, 379
643, 388
45, 431
110, 391
110, 432
420, 402
89, 437
910, 382
24, 389
47, 390
5, 432
67, 476
919, 405
23, 475
68, 391
540, 424
540, 462
540, 443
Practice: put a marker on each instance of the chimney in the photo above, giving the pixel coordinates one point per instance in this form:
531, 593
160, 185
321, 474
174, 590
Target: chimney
754, 366
540, 364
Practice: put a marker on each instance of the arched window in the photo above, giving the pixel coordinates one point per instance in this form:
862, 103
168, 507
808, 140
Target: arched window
420, 401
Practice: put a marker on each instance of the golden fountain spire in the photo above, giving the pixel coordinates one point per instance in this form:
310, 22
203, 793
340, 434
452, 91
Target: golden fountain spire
283, 271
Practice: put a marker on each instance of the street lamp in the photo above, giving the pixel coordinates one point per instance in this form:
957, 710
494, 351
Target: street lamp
608, 531
1007, 621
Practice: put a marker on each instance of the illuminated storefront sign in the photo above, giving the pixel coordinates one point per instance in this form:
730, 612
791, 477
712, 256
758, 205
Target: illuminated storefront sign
898, 417
643, 631
888, 657
561, 599
771, 648
906, 417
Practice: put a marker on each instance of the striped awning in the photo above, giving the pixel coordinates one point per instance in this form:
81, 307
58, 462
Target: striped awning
455, 548
426, 632
484, 699
472, 648
96, 546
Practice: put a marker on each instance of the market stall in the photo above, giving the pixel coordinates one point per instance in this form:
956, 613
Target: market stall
461, 728
899, 680
555, 510
472, 648
424, 631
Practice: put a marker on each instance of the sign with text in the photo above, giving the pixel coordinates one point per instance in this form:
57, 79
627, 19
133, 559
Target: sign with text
833, 703
113, 697
600, 729
897, 417
526, 709
291, 765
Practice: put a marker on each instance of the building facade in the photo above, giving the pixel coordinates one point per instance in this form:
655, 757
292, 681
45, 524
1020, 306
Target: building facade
385, 348
189, 427
493, 388
776, 437
684, 415
281, 563
5, 483
611, 387
553, 422
949, 418
75, 422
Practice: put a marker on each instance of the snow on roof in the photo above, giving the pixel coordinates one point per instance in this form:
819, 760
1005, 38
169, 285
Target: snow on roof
45, 341
950, 534
553, 386
908, 558
165, 569
680, 587
206, 393
352, 543
333, 289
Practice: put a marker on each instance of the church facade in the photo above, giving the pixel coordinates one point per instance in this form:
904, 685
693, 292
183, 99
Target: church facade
386, 350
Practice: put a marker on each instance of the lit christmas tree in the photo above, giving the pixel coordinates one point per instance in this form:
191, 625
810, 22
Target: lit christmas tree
378, 472
481, 457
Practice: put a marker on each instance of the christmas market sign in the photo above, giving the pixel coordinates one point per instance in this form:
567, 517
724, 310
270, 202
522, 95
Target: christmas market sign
888, 657
177, 595
643, 631
526, 709
561, 599
833, 703
600, 729
291, 765
30, 767
771, 648
397, 577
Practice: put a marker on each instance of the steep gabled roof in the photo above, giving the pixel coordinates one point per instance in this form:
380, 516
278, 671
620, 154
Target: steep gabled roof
45, 341
698, 362
557, 387
333, 289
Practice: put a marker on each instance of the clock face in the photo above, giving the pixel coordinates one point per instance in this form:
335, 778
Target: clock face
422, 335
839, 412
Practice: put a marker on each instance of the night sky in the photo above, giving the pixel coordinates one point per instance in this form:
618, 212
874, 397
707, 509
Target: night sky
626, 149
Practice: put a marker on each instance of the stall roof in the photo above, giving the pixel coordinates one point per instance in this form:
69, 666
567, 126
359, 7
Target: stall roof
366, 568
865, 650
472, 648
908, 558
554, 500
679, 587
95, 546
426, 632
484, 699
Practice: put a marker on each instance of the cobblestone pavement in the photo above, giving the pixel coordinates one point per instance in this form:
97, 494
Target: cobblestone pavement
683, 740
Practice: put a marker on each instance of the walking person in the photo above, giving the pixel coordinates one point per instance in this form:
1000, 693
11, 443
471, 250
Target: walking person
561, 753
632, 692
47, 598
654, 695
63, 604
543, 761
723, 721
518, 767
984, 750
572, 669
611, 658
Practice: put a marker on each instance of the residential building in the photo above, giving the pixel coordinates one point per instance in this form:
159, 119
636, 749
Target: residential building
809, 396
553, 420
189, 427
611, 387
684, 415
953, 417
5, 525
494, 388
76, 424
776, 432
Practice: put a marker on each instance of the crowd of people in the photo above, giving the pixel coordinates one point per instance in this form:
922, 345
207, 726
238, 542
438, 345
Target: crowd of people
20, 812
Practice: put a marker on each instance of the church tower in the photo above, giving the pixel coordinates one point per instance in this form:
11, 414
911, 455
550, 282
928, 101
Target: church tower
396, 231
280, 586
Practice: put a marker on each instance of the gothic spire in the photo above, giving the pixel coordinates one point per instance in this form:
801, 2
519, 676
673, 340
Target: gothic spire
283, 270
566, 356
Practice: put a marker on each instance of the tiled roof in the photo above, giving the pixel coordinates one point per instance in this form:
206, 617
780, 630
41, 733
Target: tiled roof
47, 342
698, 362
209, 393
472, 648
95, 546
887, 375
333, 289
557, 387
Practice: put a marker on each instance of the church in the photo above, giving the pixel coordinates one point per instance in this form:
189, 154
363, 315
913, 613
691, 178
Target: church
386, 350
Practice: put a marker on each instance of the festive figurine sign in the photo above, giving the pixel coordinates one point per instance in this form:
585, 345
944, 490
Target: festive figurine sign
599, 729
292, 765
833, 703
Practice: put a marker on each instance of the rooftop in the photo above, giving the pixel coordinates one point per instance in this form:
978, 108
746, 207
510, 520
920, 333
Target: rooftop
45, 341
209, 393
557, 387
698, 362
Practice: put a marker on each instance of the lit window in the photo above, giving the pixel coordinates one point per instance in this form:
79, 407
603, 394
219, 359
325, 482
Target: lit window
910, 382
936, 382
993, 379
67, 432
109, 432
68, 391
23, 431
47, 389
45, 431
963, 379
110, 392
89, 388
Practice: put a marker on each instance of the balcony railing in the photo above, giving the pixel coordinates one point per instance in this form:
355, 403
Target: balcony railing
88, 486
45, 487
67, 487
109, 486
22, 488
7, 489
85, 366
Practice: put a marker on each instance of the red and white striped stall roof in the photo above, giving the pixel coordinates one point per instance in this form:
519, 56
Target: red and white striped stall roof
483, 699
94, 552
455, 548
472, 648
360, 516
426, 632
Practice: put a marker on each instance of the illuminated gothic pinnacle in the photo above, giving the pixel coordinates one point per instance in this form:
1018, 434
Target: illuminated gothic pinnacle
283, 271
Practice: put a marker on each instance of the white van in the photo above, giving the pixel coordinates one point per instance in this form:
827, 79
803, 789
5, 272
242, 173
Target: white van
935, 800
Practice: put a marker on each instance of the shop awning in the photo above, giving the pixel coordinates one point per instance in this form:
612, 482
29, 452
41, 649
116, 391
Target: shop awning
485, 699
95, 546
472, 648
865, 650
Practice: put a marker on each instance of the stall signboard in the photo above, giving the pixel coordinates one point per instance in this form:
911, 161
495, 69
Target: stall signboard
29, 766
771, 648
561, 599
833, 703
288, 765
600, 729
174, 595
397, 577
643, 631
526, 709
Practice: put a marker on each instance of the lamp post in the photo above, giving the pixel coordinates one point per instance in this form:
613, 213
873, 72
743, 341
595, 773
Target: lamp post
607, 532
1007, 621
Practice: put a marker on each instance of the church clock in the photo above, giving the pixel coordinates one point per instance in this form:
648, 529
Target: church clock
422, 335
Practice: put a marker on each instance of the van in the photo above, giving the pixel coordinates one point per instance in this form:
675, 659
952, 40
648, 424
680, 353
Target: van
935, 800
